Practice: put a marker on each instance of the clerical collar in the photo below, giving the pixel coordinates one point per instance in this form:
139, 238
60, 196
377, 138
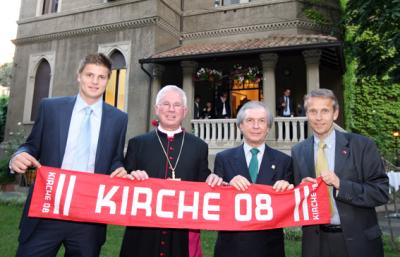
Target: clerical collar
168, 132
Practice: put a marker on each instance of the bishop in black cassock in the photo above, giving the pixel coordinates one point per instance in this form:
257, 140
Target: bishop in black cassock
145, 153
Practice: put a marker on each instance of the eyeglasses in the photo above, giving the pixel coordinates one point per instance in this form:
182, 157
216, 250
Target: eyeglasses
167, 105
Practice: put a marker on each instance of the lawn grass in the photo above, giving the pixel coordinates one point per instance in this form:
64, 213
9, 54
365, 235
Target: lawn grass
10, 215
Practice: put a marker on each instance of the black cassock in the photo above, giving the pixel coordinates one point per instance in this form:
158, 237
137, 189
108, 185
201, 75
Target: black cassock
145, 153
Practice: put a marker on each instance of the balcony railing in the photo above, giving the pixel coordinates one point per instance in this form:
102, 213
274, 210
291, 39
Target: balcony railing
224, 132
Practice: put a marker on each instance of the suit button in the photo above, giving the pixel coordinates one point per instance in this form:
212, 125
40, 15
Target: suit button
162, 242
162, 254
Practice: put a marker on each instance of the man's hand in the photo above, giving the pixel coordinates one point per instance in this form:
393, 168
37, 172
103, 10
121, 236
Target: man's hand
139, 174
22, 161
330, 178
214, 180
309, 179
120, 173
282, 185
240, 183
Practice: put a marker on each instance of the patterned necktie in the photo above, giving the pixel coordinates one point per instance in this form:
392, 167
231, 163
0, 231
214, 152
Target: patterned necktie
322, 162
83, 144
322, 165
253, 165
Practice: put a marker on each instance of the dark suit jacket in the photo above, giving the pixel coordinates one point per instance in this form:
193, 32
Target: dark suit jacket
281, 109
219, 108
196, 111
363, 186
48, 139
263, 243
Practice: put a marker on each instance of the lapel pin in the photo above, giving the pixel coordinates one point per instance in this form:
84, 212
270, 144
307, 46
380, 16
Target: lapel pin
344, 151
273, 166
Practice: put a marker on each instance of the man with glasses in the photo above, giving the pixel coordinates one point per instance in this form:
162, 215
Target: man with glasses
352, 168
167, 152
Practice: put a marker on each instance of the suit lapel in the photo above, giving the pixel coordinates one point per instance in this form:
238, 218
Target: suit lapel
342, 152
309, 156
64, 121
267, 171
105, 126
239, 163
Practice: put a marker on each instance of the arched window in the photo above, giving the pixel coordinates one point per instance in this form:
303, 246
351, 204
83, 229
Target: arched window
41, 87
49, 6
115, 91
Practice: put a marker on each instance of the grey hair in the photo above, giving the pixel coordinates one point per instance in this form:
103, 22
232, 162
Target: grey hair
163, 91
254, 105
324, 93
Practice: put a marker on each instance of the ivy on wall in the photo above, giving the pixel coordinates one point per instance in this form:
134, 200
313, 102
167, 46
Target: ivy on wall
372, 100
311, 11
373, 110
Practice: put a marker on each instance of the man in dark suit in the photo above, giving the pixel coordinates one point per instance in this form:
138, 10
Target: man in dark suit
167, 152
196, 108
285, 104
253, 161
56, 141
223, 107
352, 168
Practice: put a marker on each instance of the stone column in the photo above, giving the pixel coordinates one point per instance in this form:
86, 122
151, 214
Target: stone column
188, 69
312, 58
156, 83
269, 63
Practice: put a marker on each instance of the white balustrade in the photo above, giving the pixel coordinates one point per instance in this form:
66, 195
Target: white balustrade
225, 131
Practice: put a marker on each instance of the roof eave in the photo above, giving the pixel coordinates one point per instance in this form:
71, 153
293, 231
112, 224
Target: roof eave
241, 52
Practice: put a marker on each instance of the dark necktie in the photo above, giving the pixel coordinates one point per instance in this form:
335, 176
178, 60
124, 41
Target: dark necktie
253, 165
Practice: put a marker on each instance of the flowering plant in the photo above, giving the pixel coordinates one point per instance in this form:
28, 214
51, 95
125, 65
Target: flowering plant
250, 73
208, 74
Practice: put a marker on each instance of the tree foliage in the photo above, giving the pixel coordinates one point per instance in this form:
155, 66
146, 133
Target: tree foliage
374, 38
372, 88
5, 74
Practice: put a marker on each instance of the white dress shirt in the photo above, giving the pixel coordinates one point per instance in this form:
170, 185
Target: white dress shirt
248, 154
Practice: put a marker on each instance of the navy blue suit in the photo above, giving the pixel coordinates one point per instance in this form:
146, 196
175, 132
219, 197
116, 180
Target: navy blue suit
47, 142
275, 166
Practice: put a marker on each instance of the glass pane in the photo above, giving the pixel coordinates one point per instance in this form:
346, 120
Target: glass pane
121, 89
111, 88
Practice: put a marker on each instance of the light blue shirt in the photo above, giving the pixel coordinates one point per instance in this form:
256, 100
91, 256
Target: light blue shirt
330, 142
77, 116
248, 154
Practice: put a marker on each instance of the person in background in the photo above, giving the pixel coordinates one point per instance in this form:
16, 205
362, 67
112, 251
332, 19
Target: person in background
208, 111
253, 162
196, 108
351, 167
285, 104
223, 107
167, 152
79, 133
